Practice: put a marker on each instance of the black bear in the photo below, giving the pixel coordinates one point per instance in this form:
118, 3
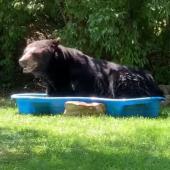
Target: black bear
70, 72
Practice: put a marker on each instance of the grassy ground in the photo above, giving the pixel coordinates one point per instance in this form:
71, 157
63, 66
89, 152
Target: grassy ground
87, 143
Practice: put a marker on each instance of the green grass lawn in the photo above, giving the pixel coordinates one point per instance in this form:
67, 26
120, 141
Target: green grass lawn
87, 143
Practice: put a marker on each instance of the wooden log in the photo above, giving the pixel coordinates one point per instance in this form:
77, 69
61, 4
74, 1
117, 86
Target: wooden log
76, 108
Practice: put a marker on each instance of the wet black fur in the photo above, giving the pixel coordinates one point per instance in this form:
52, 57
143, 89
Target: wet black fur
69, 72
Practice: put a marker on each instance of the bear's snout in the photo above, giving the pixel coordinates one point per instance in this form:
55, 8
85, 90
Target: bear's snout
22, 62
28, 65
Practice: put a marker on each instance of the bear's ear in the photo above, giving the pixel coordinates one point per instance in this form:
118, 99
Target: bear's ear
55, 43
54, 47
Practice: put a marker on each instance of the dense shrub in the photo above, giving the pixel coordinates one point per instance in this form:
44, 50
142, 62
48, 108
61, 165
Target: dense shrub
131, 32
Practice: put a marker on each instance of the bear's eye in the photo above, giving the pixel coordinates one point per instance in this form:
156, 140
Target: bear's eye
34, 53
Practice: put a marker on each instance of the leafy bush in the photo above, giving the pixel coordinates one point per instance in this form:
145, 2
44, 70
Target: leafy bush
125, 31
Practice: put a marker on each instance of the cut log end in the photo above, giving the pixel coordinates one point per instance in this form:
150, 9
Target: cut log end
76, 108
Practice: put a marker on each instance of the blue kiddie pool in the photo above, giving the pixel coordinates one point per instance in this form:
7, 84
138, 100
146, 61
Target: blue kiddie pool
39, 103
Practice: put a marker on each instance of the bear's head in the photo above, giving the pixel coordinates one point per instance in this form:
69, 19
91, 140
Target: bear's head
37, 56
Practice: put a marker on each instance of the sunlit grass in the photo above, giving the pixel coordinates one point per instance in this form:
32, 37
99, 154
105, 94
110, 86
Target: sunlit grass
87, 143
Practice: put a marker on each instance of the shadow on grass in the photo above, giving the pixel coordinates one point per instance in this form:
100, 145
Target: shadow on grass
32, 149
6, 102
165, 112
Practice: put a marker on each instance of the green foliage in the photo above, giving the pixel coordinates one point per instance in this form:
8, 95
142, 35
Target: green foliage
12, 31
124, 31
